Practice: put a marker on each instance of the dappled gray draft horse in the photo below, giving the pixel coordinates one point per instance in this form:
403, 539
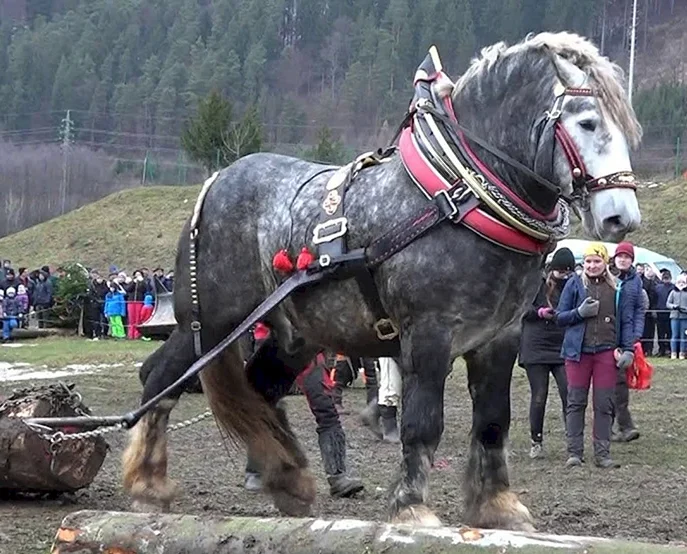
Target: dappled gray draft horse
451, 293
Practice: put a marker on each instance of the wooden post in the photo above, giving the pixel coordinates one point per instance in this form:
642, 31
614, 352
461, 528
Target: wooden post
91, 532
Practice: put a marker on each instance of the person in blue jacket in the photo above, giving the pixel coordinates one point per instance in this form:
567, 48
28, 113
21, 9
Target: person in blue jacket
631, 290
10, 313
599, 340
115, 309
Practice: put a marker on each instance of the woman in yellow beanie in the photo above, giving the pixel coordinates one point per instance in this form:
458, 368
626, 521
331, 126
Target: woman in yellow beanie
597, 322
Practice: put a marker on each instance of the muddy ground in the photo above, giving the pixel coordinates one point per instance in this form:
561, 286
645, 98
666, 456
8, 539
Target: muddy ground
645, 499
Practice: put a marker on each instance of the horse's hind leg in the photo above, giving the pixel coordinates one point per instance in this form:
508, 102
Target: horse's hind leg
425, 361
489, 501
245, 403
145, 458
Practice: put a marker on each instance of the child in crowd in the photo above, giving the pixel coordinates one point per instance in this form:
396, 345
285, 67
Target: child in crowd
147, 309
115, 309
23, 301
10, 313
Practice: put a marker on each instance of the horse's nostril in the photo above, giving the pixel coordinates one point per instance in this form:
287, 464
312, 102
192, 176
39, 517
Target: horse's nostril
613, 221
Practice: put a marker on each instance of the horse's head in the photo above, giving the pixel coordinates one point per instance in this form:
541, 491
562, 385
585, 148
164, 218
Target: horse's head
556, 105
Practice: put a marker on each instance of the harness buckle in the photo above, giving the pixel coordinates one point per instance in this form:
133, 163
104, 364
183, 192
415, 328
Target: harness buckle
195, 326
386, 329
449, 203
339, 227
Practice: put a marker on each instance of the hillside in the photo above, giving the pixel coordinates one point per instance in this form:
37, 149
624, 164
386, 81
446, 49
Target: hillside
141, 227
664, 220
128, 229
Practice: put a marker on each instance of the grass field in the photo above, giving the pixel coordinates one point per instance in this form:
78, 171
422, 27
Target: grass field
644, 499
129, 229
140, 227
58, 352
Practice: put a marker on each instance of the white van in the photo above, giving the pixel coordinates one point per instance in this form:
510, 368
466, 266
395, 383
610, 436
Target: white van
656, 261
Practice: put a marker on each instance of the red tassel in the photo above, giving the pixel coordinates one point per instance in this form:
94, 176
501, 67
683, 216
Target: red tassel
281, 262
305, 258
261, 331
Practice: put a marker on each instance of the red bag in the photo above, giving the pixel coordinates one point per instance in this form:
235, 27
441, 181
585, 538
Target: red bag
640, 372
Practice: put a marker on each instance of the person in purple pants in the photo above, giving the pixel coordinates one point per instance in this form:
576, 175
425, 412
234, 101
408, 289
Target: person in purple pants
598, 341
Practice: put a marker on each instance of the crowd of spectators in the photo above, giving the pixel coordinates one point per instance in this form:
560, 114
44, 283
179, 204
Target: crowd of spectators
112, 306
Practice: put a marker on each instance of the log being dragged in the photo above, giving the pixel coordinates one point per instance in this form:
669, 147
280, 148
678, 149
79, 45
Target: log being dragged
29, 462
92, 532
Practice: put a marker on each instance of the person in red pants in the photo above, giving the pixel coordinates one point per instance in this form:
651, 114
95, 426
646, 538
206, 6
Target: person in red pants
136, 291
598, 341
317, 386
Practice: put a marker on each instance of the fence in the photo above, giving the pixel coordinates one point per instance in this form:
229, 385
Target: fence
666, 158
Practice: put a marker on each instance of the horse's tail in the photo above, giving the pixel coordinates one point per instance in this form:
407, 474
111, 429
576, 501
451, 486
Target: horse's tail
244, 414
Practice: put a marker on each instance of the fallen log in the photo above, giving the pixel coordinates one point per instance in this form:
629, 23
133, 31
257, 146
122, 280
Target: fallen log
92, 532
30, 462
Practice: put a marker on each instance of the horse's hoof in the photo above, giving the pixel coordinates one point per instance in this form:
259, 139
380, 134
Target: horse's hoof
293, 491
143, 507
502, 511
290, 505
418, 516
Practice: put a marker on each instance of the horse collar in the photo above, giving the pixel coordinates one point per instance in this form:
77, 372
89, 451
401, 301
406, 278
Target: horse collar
437, 157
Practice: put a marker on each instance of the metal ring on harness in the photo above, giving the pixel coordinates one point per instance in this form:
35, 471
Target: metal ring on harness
391, 331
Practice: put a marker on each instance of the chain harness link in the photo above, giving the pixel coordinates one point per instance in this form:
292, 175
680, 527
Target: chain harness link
75, 402
60, 436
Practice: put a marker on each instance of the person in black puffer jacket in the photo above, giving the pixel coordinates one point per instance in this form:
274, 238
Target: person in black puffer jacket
540, 345
42, 299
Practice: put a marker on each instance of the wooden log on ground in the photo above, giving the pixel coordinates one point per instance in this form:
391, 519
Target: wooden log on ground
35, 333
92, 532
29, 462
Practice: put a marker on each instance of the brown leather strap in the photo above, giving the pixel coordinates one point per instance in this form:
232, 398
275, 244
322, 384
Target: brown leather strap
409, 229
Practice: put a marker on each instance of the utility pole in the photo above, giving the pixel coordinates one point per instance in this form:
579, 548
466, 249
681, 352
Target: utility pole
603, 29
633, 33
66, 132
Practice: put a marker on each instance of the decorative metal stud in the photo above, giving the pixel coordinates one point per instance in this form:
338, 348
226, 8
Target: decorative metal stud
603, 182
577, 172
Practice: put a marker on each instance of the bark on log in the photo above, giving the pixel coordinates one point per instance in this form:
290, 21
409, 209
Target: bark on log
92, 532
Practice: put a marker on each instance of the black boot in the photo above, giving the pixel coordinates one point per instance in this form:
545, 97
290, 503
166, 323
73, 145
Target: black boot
333, 449
389, 425
370, 414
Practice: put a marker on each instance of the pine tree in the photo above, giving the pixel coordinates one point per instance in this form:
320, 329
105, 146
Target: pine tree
253, 70
61, 90
203, 139
327, 149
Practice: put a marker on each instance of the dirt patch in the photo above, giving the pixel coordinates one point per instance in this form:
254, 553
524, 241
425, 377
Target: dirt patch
645, 499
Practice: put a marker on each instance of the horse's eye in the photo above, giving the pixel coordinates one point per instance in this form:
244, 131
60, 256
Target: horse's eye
588, 125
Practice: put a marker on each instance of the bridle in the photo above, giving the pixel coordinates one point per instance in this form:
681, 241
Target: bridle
583, 183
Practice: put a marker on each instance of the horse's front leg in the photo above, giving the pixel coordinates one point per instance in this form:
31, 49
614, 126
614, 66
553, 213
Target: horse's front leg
489, 501
425, 361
